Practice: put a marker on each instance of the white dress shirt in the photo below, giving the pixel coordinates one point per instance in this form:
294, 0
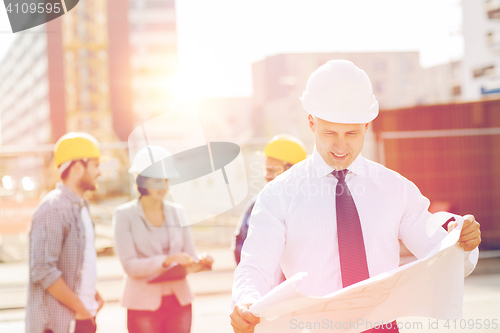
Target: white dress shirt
89, 272
294, 224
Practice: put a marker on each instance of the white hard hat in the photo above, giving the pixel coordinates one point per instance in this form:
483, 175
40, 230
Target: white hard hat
154, 162
340, 92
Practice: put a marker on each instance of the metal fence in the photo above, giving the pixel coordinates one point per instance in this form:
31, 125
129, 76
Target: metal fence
28, 173
452, 153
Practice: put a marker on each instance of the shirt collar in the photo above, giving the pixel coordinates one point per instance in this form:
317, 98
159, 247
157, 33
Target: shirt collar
140, 208
73, 198
322, 169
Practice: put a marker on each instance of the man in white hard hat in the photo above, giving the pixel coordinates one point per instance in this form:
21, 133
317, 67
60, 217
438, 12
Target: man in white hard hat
62, 295
336, 215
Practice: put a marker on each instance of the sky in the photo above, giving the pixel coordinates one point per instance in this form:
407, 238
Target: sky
218, 40
222, 38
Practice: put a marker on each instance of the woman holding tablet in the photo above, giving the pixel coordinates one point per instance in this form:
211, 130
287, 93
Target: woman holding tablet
150, 239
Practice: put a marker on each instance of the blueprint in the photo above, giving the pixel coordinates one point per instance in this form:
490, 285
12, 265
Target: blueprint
429, 287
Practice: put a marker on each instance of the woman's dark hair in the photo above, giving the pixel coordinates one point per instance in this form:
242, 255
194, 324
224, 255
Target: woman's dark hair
141, 184
141, 181
142, 191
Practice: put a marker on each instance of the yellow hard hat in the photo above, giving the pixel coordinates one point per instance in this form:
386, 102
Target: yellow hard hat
75, 146
286, 148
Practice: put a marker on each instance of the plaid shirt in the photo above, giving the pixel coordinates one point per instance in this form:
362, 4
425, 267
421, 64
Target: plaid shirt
56, 248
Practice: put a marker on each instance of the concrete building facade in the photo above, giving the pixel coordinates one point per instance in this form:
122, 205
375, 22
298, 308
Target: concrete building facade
481, 61
278, 82
441, 84
153, 56
32, 107
38, 85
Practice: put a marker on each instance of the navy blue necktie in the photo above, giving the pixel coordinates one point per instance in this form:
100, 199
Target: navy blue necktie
353, 265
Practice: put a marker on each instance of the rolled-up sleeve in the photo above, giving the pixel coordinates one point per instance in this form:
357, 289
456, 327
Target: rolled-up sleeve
133, 265
413, 228
47, 235
413, 224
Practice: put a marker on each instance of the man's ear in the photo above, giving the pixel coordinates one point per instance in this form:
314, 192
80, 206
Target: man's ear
366, 126
78, 168
310, 118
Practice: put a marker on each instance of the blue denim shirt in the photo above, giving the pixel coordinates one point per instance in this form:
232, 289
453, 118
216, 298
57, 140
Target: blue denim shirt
242, 230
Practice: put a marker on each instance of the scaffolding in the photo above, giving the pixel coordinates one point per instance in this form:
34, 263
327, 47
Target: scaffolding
86, 70
85, 45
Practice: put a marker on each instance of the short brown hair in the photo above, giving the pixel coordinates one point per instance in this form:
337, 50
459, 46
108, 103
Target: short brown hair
65, 173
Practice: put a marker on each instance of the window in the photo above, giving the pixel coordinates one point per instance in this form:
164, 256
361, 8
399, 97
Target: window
483, 71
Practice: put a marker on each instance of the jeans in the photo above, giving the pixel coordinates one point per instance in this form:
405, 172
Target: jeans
85, 326
170, 317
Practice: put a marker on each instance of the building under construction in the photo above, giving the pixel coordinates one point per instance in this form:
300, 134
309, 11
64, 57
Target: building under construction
100, 68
